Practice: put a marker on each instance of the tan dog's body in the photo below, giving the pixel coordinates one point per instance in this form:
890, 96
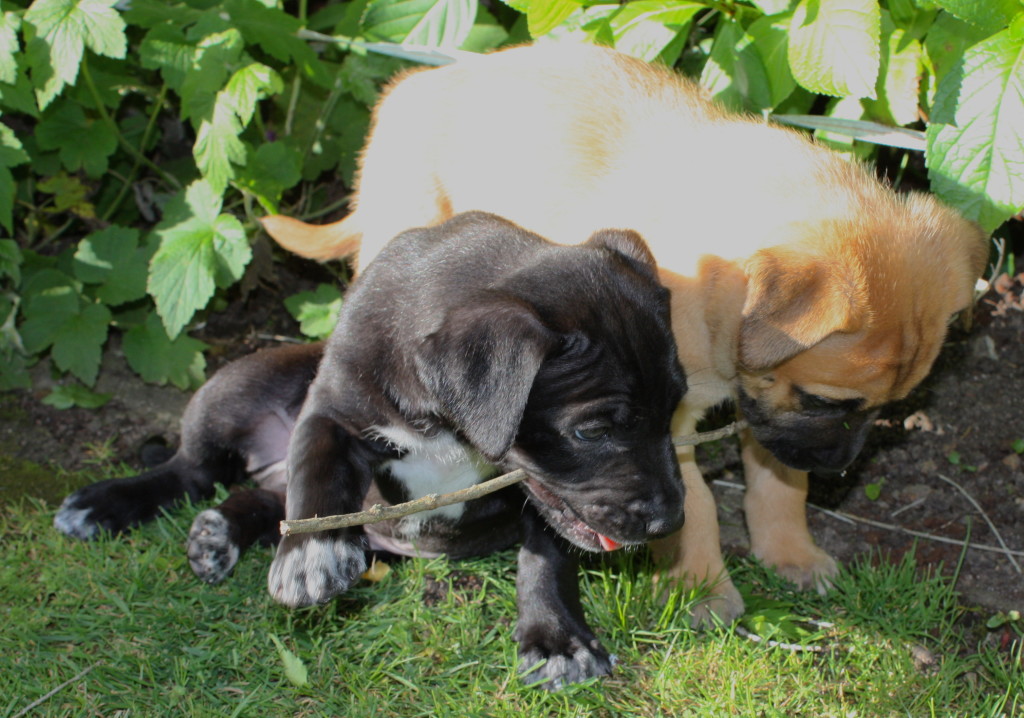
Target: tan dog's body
792, 272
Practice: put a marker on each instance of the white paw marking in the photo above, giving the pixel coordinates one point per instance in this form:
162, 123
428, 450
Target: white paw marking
315, 571
74, 522
211, 552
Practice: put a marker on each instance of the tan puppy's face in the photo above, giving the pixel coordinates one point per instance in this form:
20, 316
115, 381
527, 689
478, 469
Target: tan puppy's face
831, 333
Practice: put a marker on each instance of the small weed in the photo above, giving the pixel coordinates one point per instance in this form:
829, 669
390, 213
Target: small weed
874, 489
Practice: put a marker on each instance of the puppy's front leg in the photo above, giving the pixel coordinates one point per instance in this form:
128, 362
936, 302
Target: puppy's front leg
776, 510
556, 646
329, 473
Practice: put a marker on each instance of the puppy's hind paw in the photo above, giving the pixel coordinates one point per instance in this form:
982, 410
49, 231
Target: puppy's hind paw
553, 671
313, 569
212, 552
75, 520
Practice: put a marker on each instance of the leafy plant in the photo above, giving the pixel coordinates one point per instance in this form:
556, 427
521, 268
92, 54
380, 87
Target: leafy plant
140, 142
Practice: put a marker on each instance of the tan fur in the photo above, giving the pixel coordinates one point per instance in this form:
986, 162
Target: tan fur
788, 265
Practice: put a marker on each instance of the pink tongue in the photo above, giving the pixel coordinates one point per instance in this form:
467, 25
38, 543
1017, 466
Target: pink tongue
607, 544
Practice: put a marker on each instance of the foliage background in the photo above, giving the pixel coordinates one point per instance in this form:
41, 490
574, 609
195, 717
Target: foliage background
141, 140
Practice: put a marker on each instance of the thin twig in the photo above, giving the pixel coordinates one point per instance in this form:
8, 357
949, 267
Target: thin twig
378, 513
850, 518
39, 701
999, 536
791, 647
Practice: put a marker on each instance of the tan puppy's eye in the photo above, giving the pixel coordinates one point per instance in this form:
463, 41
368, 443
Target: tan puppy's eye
815, 402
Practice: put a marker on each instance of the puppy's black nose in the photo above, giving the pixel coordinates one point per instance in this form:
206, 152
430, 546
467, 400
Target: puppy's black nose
656, 528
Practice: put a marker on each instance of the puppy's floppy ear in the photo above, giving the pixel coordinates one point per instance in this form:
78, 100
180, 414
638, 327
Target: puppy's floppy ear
480, 366
793, 302
626, 242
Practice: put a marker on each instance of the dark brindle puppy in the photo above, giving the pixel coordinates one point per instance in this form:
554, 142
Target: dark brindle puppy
463, 350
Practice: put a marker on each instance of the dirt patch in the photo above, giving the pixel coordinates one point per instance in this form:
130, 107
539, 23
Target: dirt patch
955, 435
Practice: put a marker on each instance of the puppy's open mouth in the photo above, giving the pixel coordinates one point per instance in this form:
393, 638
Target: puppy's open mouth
564, 520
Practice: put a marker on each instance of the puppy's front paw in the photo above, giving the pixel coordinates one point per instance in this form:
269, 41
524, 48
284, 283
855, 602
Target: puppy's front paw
212, 552
554, 664
314, 569
723, 605
808, 568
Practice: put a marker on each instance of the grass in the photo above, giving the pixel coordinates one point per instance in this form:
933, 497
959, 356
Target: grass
121, 627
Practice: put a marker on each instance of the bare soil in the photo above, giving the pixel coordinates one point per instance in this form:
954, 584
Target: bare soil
942, 463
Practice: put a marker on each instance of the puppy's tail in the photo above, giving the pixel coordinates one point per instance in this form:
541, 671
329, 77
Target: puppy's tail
321, 242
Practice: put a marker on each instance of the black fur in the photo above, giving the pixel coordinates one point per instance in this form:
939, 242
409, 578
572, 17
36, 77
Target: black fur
462, 351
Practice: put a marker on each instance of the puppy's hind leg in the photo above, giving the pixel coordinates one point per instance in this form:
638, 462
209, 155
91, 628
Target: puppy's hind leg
556, 646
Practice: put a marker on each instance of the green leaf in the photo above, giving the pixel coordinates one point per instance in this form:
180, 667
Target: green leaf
989, 15
486, 35
772, 7
543, 16
158, 359
734, 72
899, 76
317, 312
294, 669
248, 86
946, 41
78, 347
10, 260
65, 28
1018, 446
69, 195
50, 298
644, 28
273, 168
834, 46
65, 396
200, 248
975, 151
9, 47
433, 23
113, 259
82, 143
166, 49
7, 189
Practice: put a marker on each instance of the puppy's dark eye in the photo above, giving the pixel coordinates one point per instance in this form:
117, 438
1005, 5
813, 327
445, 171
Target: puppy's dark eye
813, 402
592, 432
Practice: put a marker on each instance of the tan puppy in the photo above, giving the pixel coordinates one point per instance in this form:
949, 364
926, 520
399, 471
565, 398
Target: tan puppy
802, 288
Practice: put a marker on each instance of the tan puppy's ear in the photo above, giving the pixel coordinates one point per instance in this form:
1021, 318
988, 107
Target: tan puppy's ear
793, 302
625, 242
321, 242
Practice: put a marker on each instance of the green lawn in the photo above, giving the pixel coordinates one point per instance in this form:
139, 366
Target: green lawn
121, 627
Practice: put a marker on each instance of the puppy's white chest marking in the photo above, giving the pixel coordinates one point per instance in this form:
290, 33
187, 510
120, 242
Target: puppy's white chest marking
432, 465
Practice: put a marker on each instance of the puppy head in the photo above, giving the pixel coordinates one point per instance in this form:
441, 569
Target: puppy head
836, 327
569, 371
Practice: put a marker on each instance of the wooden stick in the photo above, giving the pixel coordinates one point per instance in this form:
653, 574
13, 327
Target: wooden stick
378, 513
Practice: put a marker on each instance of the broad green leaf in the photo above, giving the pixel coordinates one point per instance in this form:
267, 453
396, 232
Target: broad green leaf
166, 49
113, 259
770, 36
644, 28
218, 146
834, 46
69, 195
989, 15
82, 142
900, 76
294, 669
269, 171
66, 28
65, 396
78, 346
158, 359
486, 35
215, 56
14, 372
362, 75
19, 95
248, 86
7, 189
734, 72
543, 16
9, 47
975, 149
946, 42
316, 312
772, 7
274, 32
200, 248
433, 23
10, 260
